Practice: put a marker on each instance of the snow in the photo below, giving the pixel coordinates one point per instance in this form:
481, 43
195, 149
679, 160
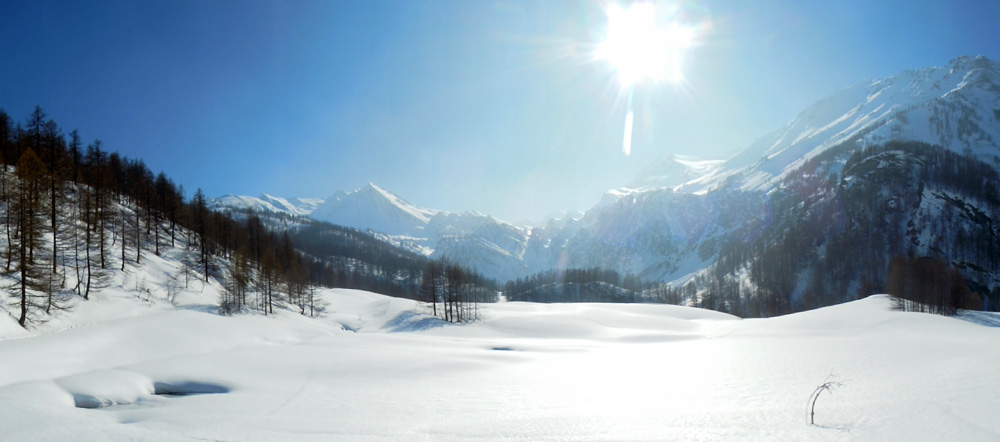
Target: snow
674, 170
294, 206
132, 366
267, 204
420, 213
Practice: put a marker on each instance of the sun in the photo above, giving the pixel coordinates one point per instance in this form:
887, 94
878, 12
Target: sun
643, 46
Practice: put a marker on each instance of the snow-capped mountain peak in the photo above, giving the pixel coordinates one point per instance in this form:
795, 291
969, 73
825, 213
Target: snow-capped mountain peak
372, 207
420, 213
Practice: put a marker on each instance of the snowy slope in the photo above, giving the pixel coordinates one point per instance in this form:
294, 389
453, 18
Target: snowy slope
378, 368
267, 204
674, 170
956, 106
294, 206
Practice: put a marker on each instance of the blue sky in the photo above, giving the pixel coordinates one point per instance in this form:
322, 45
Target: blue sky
493, 106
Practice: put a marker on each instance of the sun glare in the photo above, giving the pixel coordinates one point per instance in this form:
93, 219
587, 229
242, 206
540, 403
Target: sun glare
642, 45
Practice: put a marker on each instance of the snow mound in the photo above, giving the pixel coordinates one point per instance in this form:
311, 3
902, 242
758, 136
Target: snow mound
613, 322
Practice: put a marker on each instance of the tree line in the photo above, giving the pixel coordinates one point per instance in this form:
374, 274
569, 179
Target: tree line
350, 258
578, 285
929, 285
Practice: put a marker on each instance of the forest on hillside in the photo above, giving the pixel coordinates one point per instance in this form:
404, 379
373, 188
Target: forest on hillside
910, 219
72, 211
71, 214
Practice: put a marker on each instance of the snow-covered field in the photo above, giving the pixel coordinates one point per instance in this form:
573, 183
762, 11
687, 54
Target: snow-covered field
378, 368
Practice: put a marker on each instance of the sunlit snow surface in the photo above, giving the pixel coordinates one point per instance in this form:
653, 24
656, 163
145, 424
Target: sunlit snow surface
377, 368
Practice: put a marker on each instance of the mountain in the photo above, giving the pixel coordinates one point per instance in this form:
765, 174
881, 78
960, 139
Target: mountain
374, 208
894, 167
819, 210
900, 166
367, 208
481, 242
478, 241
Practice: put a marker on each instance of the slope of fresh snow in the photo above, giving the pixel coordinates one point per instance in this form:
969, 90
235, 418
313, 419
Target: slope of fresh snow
242, 202
674, 170
294, 206
379, 368
267, 204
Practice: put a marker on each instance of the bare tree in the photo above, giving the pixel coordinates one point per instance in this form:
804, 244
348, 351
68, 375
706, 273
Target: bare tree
431, 283
29, 206
827, 385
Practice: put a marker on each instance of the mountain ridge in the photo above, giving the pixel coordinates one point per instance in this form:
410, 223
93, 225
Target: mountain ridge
924, 105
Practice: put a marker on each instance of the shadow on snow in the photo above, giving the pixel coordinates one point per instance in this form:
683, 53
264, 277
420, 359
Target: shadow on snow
988, 319
411, 322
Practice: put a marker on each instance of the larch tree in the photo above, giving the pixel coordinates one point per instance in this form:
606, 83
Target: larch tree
29, 207
430, 283
199, 209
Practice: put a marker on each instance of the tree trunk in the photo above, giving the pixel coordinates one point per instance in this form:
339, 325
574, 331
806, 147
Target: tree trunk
138, 238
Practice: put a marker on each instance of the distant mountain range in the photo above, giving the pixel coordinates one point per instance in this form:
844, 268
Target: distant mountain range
478, 241
682, 216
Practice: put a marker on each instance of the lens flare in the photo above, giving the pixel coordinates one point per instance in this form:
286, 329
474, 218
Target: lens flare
627, 143
629, 117
644, 43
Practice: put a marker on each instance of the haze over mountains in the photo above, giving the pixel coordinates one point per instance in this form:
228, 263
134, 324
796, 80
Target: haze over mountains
682, 213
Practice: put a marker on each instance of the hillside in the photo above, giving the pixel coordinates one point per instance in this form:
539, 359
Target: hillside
77, 220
